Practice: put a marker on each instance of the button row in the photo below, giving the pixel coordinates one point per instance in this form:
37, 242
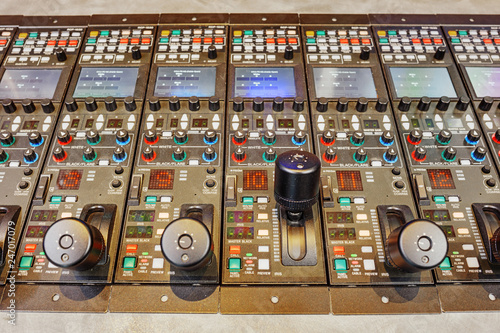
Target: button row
404, 32
266, 32
194, 40
194, 32
188, 48
481, 57
262, 48
486, 41
415, 48
341, 41
124, 33
472, 49
412, 41
39, 50
111, 49
334, 33
45, 34
453, 33
408, 57
51, 42
121, 41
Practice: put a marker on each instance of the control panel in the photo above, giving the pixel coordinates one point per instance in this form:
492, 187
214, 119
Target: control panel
8, 27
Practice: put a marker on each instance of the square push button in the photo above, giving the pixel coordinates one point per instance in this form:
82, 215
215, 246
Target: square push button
234, 264
234, 249
340, 264
264, 264
26, 262
158, 263
129, 262
446, 264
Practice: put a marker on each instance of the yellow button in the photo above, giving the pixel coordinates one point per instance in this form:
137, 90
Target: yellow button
381, 33
165, 32
23, 35
452, 33
310, 33
94, 33
237, 33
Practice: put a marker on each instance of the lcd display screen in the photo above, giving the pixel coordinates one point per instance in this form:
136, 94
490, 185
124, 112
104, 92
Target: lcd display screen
161, 179
69, 179
105, 81
485, 80
264, 82
185, 81
254, 180
344, 82
29, 83
441, 179
418, 82
349, 181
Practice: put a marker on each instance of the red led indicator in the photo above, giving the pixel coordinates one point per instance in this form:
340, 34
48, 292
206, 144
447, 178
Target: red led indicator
255, 180
69, 179
441, 179
161, 179
349, 181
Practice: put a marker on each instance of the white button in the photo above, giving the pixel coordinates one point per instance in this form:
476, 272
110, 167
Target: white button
166, 198
472, 262
158, 248
65, 215
364, 233
159, 231
262, 216
366, 249
458, 215
263, 248
263, 232
70, 199
50, 265
103, 162
463, 231
263, 264
468, 247
369, 264
359, 201
163, 215
376, 163
361, 217
262, 199
158, 263
453, 198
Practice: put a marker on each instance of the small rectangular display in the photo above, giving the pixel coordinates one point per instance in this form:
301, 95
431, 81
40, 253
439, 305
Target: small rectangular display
485, 80
30, 125
245, 123
139, 232
6, 125
174, 122
254, 180
345, 124
429, 122
162, 179
342, 233
159, 122
114, 123
441, 179
344, 82
349, 181
106, 81
69, 179
29, 83
240, 217
36, 231
422, 81
370, 124
200, 122
74, 123
339, 217
331, 123
454, 123
415, 123
259, 123
44, 215
264, 82
89, 123
285, 123
437, 215
448, 230
185, 81
141, 216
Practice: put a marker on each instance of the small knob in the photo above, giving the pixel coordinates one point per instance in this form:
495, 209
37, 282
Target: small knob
119, 154
239, 155
209, 154
365, 53
213, 103
180, 137
110, 103
30, 156
298, 104
473, 136
449, 154
391, 155
404, 104
322, 104
440, 52
415, 137
122, 137
28, 106
269, 137
486, 103
174, 104
342, 104
381, 105
61, 54
150, 137
89, 154
328, 137
288, 52
361, 155
194, 103
362, 104
71, 104
463, 103
387, 138
330, 155
479, 154
148, 154
93, 137
35, 138
47, 105
424, 104
179, 154
3, 156
154, 104
278, 104
9, 106
212, 52
136, 52
59, 154
210, 137
496, 136
258, 104
130, 104
63, 137
299, 137
443, 103
6, 139
238, 104
357, 138
270, 155
239, 138
90, 104
444, 137
419, 154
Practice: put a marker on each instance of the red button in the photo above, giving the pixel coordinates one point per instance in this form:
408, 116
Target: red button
365, 41
344, 41
219, 40
281, 41
270, 41
40, 260
438, 41
249, 262
338, 250
3, 41
134, 41
144, 260
124, 41
487, 41
29, 248
62, 42
497, 40
196, 40
234, 249
354, 262
131, 247
415, 41
207, 40
146, 40
292, 40
355, 41
73, 42
427, 41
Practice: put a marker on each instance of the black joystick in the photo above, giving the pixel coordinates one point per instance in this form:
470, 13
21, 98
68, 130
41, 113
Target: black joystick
212, 52
136, 52
365, 53
440, 52
61, 54
288, 52
416, 246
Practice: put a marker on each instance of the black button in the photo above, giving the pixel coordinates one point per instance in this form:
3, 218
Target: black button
211, 170
396, 171
28, 172
486, 169
210, 183
491, 182
116, 183
399, 184
119, 170
23, 185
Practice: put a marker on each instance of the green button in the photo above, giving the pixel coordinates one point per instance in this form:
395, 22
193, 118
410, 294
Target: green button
26, 262
311, 41
151, 199
33, 34
19, 42
462, 33
320, 33
340, 264
247, 200
383, 40
439, 199
455, 40
91, 41
164, 40
446, 264
455, 252
105, 33
176, 32
129, 262
249, 254
354, 255
234, 264
345, 201
145, 253
237, 41
392, 33
55, 199
248, 33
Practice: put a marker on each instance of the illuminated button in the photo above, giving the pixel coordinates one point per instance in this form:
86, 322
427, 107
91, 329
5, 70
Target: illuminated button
263, 199
292, 40
29, 248
487, 41
105, 33
455, 40
438, 41
383, 41
366, 41
361, 217
446, 264
439, 199
497, 41
381, 33
131, 247
248, 33
73, 42
263, 264
234, 264
452, 33
165, 32
458, 215
311, 41
263, 232
468, 247
158, 263
392, 32
145, 40
359, 201
281, 40
339, 250
344, 41
263, 248
124, 41
94, 33
151, 199
366, 249
369, 264
134, 41
26, 262
462, 33
354, 41
453, 198
176, 32
340, 264
166, 198
320, 33
237, 41
19, 42
71, 198
364, 233
129, 262
219, 40
56, 199
262, 216
247, 200
234, 249
472, 262
345, 201
463, 231
427, 41
163, 215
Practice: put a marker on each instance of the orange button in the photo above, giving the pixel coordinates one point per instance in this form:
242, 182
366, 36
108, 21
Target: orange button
134, 41
196, 40
234, 249
73, 42
355, 41
3, 41
29, 248
270, 41
427, 40
40, 260
438, 41
415, 41
487, 41
51, 42
497, 40
281, 41
62, 42
344, 41
338, 249
146, 40
131, 247
354, 262
124, 41
219, 40
249, 262
292, 40
207, 40
144, 260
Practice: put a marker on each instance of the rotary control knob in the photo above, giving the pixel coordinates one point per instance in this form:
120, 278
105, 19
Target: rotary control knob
150, 137
213, 103
179, 154
258, 104
239, 138
136, 52
297, 176
486, 103
61, 54
210, 137
239, 155
391, 155
212, 52
424, 104
361, 155
35, 138
365, 53
419, 154
495, 244
270, 155
473, 136
404, 104
416, 246
7, 139
443, 104
322, 104
387, 138
463, 103
59, 154
130, 104
9, 106
180, 137
362, 104
496, 136
238, 104
71, 104
330, 156
122, 137
90, 104
186, 244
298, 104
93, 137
3, 156
342, 104
381, 105
63, 137
47, 105
89, 154
148, 154
30, 156
110, 103
288, 52
444, 137
194, 103
209, 154
154, 104
278, 104
415, 137
328, 137
173, 103
479, 154
269, 137
358, 138
299, 137
440, 52
119, 154
28, 106
73, 244
449, 154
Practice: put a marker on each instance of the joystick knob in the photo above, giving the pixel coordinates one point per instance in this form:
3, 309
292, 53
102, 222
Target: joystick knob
61, 54
479, 154
269, 137
473, 136
213, 103
328, 137
150, 137
179, 154
258, 104
209, 154
486, 103
90, 104
330, 156
119, 154
391, 155
63, 137
361, 155
173, 103
278, 104
342, 104
298, 104
239, 155
122, 137
365, 53
212, 52
239, 137
270, 155
148, 154
6, 139
322, 104
93, 137
440, 52
444, 137
415, 137
299, 137
136, 52
110, 103
463, 103
30, 156
28, 106
443, 103
194, 103
288, 52
358, 138
404, 104
424, 104
9, 106
59, 154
